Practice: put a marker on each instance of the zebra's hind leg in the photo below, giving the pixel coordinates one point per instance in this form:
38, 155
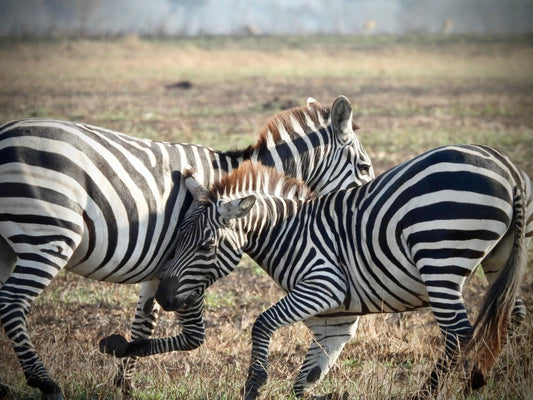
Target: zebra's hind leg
518, 314
32, 273
143, 326
330, 334
449, 311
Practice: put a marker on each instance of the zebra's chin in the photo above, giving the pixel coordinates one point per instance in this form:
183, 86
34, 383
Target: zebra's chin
170, 299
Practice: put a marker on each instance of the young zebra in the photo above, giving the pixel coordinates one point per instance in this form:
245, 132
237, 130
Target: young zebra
406, 240
107, 206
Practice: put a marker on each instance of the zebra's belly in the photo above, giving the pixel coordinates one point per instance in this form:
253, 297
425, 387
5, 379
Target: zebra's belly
124, 262
380, 294
362, 305
133, 271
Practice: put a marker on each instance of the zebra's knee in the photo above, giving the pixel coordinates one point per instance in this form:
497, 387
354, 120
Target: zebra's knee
307, 379
12, 313
195, 341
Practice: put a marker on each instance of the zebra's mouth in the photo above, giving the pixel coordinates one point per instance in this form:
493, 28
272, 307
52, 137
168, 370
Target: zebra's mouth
170, 300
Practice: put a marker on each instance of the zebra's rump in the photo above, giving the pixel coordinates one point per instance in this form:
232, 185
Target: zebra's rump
91, 189
431, 219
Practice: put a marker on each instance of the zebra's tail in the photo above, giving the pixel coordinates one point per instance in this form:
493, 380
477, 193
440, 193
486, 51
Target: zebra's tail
490, 328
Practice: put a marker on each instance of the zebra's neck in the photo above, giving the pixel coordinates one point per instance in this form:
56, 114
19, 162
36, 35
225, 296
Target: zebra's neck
266, 228
273, 232
297, 155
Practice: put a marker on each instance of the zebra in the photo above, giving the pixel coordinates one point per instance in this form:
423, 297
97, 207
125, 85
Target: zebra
107, 206
406, 240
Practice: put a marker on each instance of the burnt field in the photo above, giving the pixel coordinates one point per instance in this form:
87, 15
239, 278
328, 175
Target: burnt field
410, 94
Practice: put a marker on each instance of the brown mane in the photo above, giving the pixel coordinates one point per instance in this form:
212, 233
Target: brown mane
314, 112
285, 120
256, 178
317, 113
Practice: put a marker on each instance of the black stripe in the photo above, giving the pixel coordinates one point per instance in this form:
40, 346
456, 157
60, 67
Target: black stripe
40, 220
25, 190
42, 239
59, 163
437, 235
443, 253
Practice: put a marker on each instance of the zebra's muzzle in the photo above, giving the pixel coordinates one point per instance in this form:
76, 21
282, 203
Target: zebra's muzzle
170, 300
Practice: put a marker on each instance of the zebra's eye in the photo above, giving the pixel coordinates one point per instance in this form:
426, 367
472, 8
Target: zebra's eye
365, 169
207, 245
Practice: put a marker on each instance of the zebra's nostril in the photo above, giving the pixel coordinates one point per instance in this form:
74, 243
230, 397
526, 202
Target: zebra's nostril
164, 302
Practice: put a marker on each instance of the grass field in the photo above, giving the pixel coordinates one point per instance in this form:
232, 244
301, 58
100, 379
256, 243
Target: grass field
410, 93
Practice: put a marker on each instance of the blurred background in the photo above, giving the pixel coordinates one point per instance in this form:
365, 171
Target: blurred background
164, 18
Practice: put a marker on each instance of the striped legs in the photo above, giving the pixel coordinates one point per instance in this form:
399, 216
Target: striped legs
449, 311
142, 327
32, 273
330, 336
518, 314
457, 332
306, 300
192, 336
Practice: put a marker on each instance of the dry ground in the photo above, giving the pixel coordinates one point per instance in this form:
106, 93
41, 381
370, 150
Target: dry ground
409, 94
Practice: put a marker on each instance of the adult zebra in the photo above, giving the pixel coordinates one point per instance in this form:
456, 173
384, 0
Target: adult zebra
107, 206
406, 240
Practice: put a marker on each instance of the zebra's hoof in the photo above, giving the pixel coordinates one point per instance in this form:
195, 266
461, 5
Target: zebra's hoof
4, 390
115, 345
477, 380
126, 386
249, 394
52, 396
333, 396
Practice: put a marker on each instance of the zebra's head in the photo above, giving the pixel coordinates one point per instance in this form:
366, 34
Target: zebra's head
212, 237
318, 145
347, 164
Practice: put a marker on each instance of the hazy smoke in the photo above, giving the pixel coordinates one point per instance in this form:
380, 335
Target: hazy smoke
229, 17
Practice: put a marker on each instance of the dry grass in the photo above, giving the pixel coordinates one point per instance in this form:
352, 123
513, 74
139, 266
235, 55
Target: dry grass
409, 94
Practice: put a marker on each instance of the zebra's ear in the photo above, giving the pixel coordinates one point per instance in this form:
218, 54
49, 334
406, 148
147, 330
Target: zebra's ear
198, 191
341, 117
237, 208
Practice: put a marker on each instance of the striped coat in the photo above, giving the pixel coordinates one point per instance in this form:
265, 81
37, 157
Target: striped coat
107, 206
406, 240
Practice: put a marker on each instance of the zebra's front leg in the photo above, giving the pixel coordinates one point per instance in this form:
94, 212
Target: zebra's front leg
143, 326
191, 336
330, 334
306, 300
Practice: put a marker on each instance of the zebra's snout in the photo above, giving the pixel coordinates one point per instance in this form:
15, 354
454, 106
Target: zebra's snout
166, 294
170, 299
